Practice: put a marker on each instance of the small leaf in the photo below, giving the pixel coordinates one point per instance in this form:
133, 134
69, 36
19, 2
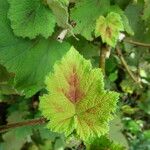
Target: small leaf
109, 28
76, 98
31, 18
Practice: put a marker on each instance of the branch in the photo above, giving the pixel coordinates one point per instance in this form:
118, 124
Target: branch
104, 54
21, 124
124, 63
137, 43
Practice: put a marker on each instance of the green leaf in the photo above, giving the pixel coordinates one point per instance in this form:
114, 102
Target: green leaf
76, 98
85, 13
6, 82
146, 12
16, 138
29, 60
113, 76
86, 48
133, 126
125, 21
141, 31
129, 110
115, 132
146, 134
61, 13
103, 143
30, 18
109, 28
128, 85
144, 102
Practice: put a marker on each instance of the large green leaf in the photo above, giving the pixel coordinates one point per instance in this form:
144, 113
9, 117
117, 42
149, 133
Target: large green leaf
85, 13
29, 60
30, 18
76, 98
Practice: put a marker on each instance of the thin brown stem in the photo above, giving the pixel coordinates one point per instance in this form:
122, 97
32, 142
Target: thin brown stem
137, 43
124, 63
103, 56
23, 123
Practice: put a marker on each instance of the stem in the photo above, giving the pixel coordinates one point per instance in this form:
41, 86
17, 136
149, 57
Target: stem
102, 59
137, 43
124, 63
23, 123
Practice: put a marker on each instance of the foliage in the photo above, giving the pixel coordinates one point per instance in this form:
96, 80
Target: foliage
77, 99
104, 143
109, 28
27, 18
44, 45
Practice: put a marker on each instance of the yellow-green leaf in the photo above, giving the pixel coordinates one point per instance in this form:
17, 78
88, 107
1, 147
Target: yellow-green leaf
109, 28
76, 99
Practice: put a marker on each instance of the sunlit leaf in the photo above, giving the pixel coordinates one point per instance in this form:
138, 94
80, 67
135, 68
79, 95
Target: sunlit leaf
76, 98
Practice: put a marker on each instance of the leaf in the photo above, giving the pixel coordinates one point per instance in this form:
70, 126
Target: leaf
6, 82
144, 102
85, 13
86, 48
103, 143
115, 132
29, 60
133, 126
109, 28
127, 85
61, 12
76, 98
146, 12
31, 18
126, 109
141, 31
125, 21
16, 138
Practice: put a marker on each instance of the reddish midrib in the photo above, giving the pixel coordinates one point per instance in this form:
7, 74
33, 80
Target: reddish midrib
74, 93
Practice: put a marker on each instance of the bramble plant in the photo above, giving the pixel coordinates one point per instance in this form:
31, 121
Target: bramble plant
74, 74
